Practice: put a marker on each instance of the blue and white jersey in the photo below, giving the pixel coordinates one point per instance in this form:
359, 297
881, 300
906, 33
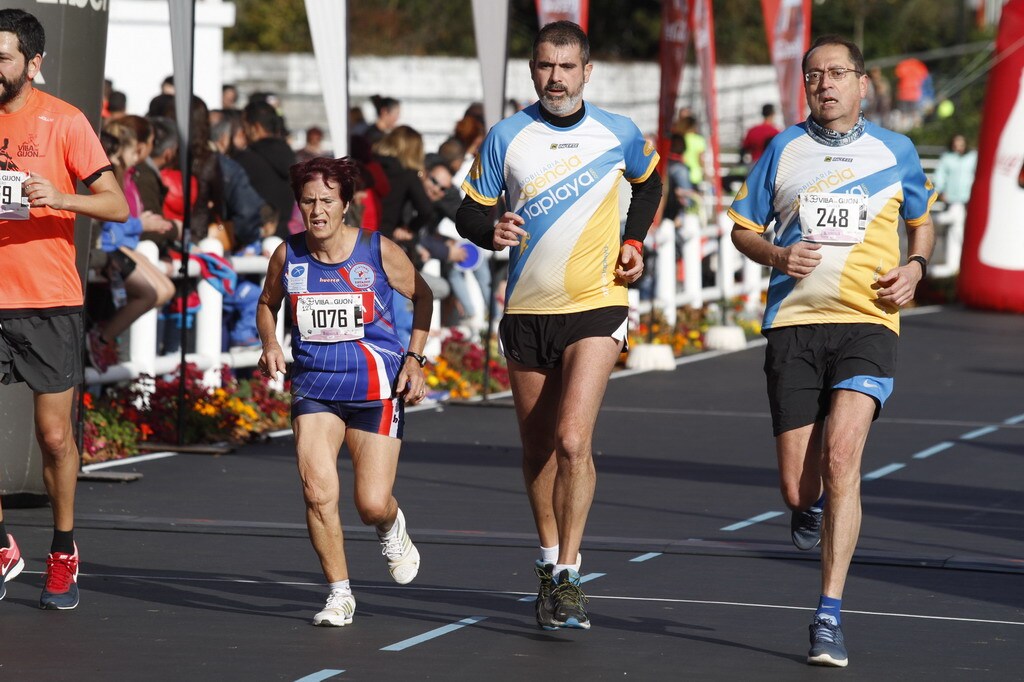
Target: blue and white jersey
344, 343
849, 198
564, 182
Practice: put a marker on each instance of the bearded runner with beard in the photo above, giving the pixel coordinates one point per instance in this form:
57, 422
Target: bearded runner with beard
47, 145
557, 164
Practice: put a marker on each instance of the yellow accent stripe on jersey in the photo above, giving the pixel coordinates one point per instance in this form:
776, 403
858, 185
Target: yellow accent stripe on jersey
743, 222
476, 196
590, 273
650, 169
918, 222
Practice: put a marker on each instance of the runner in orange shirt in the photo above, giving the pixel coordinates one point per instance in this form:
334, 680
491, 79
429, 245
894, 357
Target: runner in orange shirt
46, 146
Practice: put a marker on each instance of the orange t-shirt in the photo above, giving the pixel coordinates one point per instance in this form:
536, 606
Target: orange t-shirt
53, 139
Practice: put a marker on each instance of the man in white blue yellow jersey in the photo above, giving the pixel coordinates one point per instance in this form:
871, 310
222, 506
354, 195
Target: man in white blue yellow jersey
557, 165
836, 187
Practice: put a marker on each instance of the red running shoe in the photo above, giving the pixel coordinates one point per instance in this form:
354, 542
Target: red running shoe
11, 564
61, 588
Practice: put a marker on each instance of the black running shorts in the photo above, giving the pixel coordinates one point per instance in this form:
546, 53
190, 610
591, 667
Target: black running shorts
44, 352
805, 363
539, 340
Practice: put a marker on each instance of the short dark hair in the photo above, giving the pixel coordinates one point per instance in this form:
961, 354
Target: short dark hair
856, 56
118, 101
768, 110
262, 114
30, 33
165, 134
562, 33
343, 172
381, 103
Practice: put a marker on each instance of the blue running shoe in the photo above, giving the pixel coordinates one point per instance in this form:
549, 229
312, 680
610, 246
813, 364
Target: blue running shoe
567, 600
61, 588
11, 564
805, 527
827, 646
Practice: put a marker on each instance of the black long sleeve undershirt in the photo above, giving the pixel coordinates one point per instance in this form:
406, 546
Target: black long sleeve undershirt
474, 221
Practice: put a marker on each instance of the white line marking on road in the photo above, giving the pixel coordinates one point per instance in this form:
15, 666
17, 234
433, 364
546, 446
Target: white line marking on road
933, 450
979, 432
320, 676
751, 521
433, 634
884, 471
645, 557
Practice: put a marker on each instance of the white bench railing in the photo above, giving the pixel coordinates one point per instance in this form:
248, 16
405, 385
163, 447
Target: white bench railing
699, 237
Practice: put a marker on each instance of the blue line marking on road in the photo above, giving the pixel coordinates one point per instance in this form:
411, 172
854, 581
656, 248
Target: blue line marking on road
427, 636
645, 557
751, 521
979, 432
933, 450
319, 676
1014, 420
884, 471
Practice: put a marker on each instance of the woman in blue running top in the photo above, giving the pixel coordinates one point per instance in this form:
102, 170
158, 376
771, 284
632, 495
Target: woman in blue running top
351, 377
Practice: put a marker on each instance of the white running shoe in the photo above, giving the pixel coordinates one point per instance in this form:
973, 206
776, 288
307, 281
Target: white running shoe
403, 557
338, 610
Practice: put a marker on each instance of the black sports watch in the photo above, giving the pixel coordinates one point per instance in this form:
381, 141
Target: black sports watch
417, 357
923, 262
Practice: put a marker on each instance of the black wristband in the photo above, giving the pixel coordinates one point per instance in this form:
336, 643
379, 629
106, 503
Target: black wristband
417, 357
923, 262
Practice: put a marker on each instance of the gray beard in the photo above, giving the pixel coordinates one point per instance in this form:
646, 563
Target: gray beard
568, 104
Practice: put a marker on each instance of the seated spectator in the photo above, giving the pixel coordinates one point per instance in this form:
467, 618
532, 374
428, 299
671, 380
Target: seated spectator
144, 286
440, 239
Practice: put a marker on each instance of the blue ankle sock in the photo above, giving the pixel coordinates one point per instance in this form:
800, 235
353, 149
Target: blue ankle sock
829, 608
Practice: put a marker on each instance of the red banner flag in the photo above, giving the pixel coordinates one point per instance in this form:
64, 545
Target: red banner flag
577, 11
992, 265
788, 26
703, 23
675, 33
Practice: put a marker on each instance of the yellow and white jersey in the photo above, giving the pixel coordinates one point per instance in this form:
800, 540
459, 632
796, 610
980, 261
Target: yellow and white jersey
849, 198
564, 182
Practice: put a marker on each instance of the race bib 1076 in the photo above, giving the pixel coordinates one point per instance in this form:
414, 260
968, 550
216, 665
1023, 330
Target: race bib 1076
833, 218
330, 318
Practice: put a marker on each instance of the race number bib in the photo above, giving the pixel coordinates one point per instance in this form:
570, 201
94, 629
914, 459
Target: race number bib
13, 203
330, 318
833, 218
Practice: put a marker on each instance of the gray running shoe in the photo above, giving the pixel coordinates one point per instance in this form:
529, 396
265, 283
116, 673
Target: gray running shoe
543, 606
567, 600
805, 527
827, 646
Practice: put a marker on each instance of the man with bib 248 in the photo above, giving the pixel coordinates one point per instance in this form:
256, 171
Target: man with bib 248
836, 187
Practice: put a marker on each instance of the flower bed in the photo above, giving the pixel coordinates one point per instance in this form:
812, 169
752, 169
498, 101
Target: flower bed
122, 416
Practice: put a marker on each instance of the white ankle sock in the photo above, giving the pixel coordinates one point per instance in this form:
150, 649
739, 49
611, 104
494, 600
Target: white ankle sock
559, 568
342, 586
549, 555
